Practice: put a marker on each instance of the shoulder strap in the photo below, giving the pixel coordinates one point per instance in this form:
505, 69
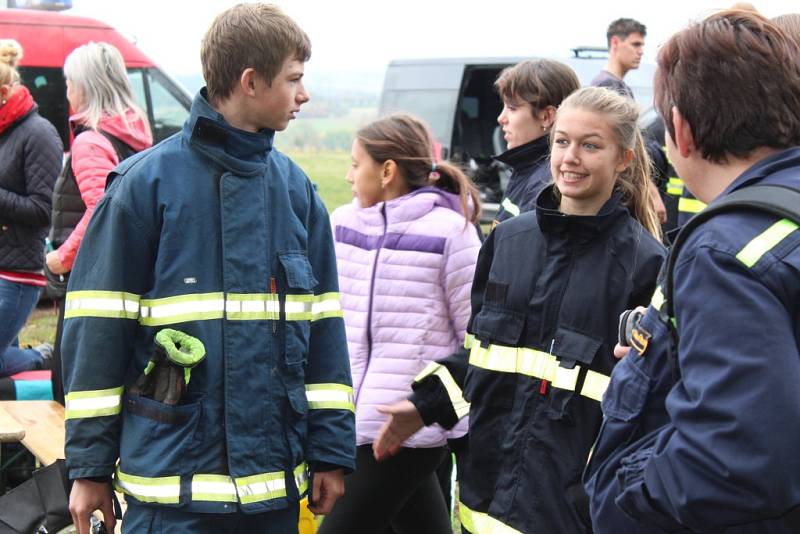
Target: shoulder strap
781, 201
123, 150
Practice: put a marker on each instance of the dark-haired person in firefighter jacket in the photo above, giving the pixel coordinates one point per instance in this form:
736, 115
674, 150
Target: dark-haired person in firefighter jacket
549, 287
216, 235
701, 422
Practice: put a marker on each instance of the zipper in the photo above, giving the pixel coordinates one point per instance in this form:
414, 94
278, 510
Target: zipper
371, 295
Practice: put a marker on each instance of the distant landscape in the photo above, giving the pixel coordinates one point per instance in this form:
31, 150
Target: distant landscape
329, 121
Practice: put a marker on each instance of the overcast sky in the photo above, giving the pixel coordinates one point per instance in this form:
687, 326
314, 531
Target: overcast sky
364, 35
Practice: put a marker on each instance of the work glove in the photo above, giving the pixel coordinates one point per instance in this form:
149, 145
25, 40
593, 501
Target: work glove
169, 370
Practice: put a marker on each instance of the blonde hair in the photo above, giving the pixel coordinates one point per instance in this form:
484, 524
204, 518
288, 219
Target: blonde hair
97, 71
7, 74
622, 115
10, 52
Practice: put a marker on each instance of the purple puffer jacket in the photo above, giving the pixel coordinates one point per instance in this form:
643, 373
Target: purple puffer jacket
405, 273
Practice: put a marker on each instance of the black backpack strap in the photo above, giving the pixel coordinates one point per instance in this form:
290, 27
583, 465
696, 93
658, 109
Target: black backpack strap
123, 150
778, 200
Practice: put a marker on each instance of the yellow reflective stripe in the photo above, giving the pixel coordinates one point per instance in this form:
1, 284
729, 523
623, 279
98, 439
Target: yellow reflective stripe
510, 207
675, 186
765, 241
96, 403
215, 488
165, 490
262, 487
313, 307
690, 205
481, 523
538, 364
111, 304
595, 385
181, 308
469, 340
330, 396
658, 299
301, 478
460, 405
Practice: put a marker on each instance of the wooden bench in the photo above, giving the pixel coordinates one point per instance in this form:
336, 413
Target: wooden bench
10, 429
40, 427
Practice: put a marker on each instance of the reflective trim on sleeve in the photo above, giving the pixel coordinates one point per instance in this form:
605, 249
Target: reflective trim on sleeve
469, 340
313, 307
658, 299
165, 490
690, 205
675, 186
482, 523
510, 207
97, 403
535, 363
330, 396
110, 304
215, 488
182, 308
460, 405
262, 487
765, 241
301, 478
594, 386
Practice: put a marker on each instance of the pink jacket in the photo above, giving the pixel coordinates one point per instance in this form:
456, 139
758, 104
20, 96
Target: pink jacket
93, 157
405, 273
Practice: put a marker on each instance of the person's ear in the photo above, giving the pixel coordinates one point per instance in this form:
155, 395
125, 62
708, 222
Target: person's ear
625, 160
247, 81
548, 117
684, 138
389, 173
613, 43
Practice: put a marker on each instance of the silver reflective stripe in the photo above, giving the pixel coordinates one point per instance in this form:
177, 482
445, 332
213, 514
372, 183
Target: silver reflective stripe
301, 479
330, 396
166, 490
182, 308
261, 487
216, 488
658, 299
112, 304
93, 403
510, 207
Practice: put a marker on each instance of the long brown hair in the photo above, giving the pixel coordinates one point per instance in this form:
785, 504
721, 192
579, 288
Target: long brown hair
407, 141
622, 115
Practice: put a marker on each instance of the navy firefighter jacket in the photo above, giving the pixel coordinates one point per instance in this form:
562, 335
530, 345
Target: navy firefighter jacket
531, 172
216, 234
712, 444
546, 298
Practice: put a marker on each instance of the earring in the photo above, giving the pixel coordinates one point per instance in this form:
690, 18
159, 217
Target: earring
544, 128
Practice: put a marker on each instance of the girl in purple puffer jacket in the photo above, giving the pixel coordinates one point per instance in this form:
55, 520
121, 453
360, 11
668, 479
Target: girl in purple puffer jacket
406, 251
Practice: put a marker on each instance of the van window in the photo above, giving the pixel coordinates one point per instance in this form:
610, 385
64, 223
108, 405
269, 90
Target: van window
169, 113
434, 105
49, 91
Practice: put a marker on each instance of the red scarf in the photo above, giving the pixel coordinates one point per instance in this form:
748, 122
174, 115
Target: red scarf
15, 107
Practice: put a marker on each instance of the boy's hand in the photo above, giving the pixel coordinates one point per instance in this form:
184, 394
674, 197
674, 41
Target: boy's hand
328, 486
404, 421
86, 497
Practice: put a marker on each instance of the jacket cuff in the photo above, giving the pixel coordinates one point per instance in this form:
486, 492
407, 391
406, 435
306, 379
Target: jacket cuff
430, 398
634, 499
92, 473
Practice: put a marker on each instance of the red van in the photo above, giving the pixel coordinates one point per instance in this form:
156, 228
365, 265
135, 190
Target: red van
48, 37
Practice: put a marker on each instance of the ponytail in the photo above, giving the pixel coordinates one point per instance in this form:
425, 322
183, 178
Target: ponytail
407, 141
634, 184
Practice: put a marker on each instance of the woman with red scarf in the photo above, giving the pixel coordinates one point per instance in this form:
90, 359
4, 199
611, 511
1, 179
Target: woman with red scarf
30, 161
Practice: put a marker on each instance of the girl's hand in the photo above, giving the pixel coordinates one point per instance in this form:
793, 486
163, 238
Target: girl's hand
54, 264
404, 421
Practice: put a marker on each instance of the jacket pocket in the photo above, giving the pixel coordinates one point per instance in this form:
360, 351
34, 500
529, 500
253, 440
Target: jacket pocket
627, 391
499, 325
157, 439
572, 348
300, 282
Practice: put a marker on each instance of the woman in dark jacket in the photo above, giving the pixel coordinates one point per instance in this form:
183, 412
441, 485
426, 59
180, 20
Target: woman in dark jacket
531, 90
30, 160
549, 288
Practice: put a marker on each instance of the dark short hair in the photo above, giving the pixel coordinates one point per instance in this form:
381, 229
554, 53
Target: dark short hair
623, 28
539, 82
735, 78
257, 36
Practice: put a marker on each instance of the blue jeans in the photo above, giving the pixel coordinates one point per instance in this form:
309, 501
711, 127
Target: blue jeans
16, 304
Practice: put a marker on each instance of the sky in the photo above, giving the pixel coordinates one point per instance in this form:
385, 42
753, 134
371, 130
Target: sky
354, 40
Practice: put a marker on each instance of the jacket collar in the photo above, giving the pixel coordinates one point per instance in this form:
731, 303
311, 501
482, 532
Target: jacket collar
527, 154
240, 152
581, 228
780, 161
408, 207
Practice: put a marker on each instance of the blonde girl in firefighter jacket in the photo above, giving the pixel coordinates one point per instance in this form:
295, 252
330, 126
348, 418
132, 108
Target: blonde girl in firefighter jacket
548, 290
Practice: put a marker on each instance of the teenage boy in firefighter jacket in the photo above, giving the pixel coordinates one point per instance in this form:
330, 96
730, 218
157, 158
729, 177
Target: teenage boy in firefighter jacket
700, 430
217, 235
